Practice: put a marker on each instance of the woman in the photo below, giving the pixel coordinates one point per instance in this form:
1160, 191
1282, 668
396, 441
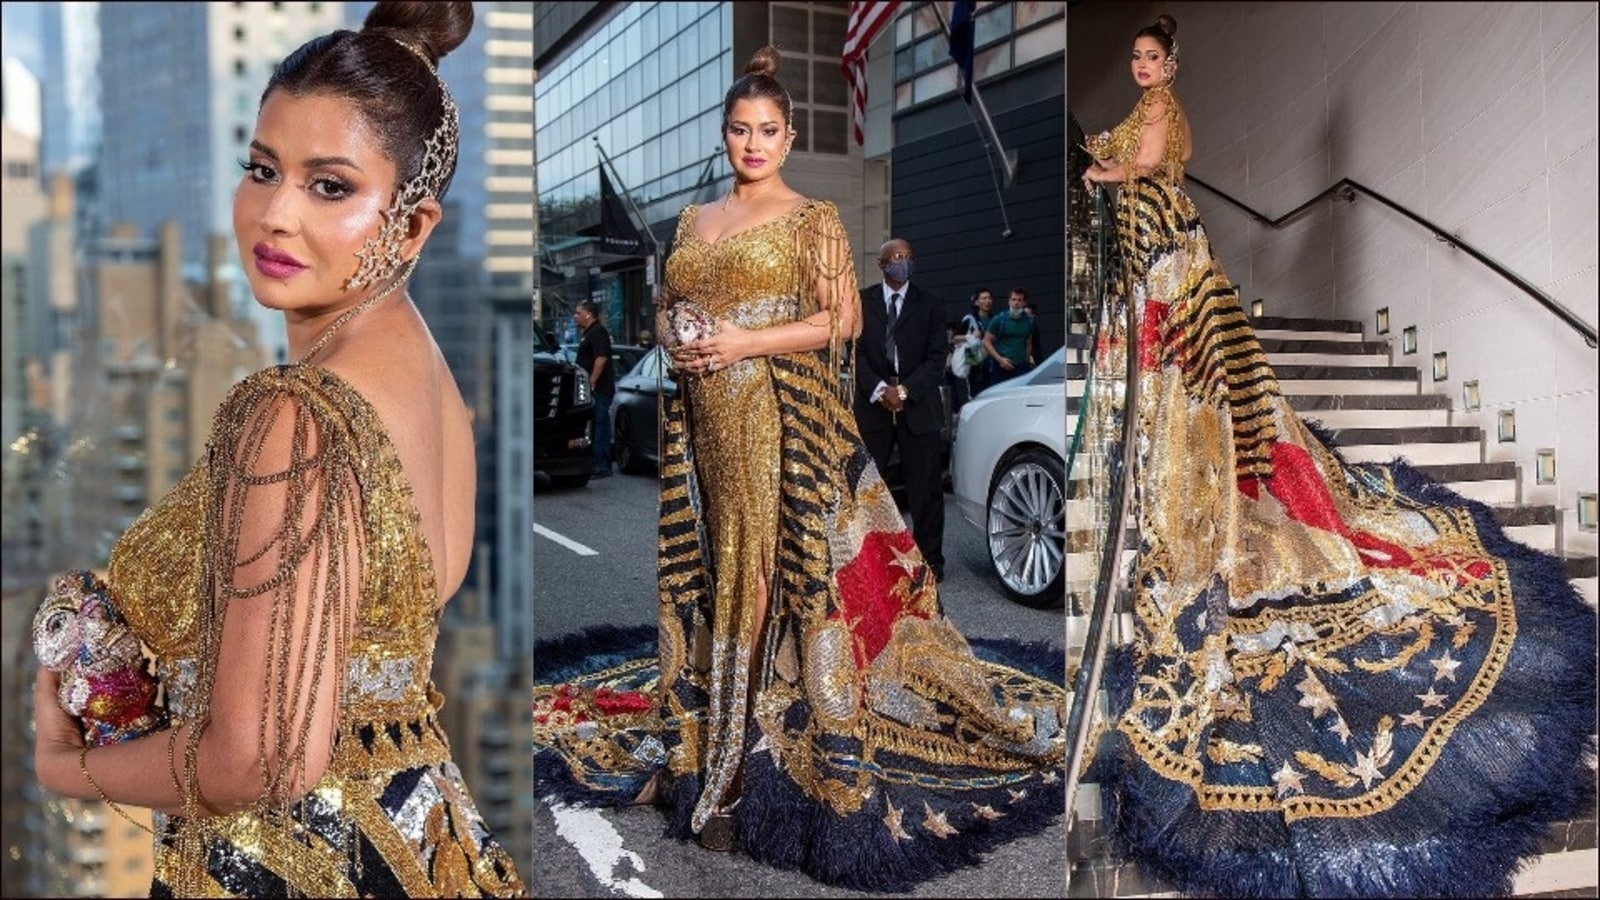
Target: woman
291, 586
810, 703
1345, 679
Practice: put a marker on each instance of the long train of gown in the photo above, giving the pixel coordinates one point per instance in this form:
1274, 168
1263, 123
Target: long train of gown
1346, 680
869, 747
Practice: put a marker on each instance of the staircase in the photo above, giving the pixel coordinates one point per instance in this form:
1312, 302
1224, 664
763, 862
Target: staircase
1375, 411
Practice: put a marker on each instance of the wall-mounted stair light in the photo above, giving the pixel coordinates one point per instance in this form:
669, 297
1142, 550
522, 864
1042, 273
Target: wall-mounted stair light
1508, 426
1258, 308
1586, 511
1470, 400
1441, 366
1408, 339
1544, 465
1383, 320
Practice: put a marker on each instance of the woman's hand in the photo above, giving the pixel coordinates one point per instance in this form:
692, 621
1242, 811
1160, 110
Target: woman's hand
718, 351
57, 736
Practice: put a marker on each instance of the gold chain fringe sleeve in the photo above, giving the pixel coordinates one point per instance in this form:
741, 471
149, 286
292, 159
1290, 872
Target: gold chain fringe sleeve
1122, 143
827, 272
283, 562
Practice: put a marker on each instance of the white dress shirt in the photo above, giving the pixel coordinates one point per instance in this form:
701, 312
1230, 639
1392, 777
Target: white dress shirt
877, 392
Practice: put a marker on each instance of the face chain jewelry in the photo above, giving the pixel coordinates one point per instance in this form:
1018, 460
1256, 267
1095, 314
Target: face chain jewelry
380, 256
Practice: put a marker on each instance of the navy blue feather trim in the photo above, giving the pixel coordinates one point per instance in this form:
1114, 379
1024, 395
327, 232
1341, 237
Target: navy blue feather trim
1512, 768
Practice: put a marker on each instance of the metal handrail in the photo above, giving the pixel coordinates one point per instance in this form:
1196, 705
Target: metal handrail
1091, 669
1345, 188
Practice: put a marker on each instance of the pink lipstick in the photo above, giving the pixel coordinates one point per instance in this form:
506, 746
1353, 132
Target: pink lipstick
275, 263
754, 162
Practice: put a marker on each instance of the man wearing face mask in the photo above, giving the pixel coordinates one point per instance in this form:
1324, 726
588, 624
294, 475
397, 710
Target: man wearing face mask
1012, 339
900, 361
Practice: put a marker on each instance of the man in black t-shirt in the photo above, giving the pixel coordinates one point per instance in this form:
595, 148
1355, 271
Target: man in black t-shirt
594, 359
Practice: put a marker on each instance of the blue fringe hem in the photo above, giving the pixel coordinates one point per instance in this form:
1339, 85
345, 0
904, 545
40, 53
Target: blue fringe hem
775, 823
1511, 769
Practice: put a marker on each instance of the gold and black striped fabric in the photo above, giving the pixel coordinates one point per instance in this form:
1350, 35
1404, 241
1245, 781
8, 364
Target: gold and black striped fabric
1202, 330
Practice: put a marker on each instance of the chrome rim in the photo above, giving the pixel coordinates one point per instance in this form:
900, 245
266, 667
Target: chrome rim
1027, 528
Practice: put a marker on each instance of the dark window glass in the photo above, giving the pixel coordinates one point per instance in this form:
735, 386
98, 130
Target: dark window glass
829, 130
829, 83
790, 29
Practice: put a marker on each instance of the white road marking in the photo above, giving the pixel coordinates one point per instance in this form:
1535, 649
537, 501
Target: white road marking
564, 541
600, 845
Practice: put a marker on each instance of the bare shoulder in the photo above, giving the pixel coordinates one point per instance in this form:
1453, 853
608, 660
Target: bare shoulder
400, 371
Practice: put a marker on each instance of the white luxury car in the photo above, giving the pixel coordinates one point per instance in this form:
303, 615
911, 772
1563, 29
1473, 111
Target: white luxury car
1008, 469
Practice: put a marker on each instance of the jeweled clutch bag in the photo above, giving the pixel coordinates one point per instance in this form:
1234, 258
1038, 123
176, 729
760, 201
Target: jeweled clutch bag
105, 679
688, 322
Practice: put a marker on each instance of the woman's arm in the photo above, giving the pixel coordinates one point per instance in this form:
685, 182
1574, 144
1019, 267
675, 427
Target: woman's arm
287, 582
129, 772
1152, 140
1149, 156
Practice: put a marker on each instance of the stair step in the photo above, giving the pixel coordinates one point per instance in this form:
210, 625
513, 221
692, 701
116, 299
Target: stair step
1423, 445
1581, 565
1534, 526
1287, 352
1494, 483
1340, 348
1292, 328
1296, 380
1373, 410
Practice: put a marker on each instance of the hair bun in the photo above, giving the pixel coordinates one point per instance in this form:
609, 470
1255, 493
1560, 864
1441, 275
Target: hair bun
764, 62
1168, 24
434, 28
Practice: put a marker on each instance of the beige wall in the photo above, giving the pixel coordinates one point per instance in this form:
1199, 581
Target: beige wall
1479, 116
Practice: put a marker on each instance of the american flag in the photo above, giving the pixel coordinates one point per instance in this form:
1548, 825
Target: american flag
866, 20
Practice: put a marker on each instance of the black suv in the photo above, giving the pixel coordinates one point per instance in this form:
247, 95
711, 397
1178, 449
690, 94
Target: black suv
563, 416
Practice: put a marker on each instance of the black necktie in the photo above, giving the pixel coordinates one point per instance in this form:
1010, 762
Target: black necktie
894, 318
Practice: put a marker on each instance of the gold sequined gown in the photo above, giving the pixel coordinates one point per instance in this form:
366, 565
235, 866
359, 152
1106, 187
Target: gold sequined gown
1345, 679
859, 740
391, 816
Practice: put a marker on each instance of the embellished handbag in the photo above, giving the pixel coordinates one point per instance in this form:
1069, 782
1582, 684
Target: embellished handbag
686, 321
105, 678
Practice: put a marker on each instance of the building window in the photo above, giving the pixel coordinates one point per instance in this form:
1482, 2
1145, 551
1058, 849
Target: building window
239, 134
1005, 35
238, 34
238, 67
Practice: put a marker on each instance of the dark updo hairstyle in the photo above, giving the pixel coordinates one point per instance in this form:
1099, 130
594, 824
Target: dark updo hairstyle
760, 81
1164, 30
391, 87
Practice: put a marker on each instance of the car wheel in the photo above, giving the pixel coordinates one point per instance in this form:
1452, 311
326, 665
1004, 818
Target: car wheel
622, 445
1027, 526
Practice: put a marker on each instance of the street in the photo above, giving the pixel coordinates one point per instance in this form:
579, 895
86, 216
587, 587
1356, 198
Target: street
594, 564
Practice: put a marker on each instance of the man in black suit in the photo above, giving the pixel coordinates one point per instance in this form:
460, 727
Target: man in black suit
900, 360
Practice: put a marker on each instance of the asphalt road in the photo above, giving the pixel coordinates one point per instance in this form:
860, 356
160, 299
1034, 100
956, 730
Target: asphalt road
594, 563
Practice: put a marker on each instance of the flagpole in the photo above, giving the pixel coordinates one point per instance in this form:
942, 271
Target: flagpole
627, 195
1008, 158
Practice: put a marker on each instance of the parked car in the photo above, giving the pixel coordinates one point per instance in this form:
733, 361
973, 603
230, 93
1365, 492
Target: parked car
624, 356
1008, 471
634, 411
563, 416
